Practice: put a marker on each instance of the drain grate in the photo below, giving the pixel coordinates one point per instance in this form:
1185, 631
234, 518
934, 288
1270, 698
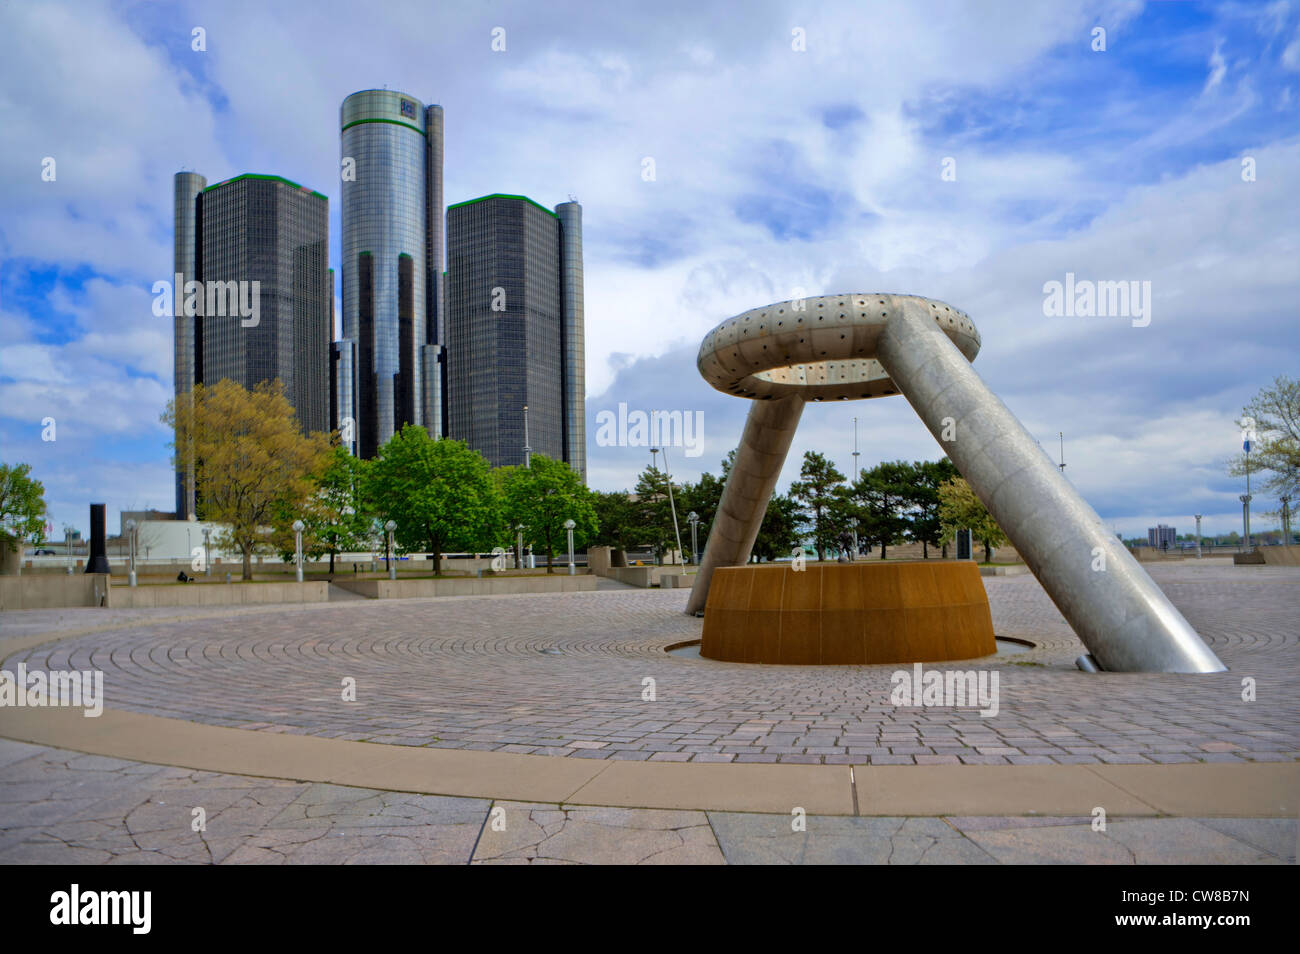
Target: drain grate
551, 651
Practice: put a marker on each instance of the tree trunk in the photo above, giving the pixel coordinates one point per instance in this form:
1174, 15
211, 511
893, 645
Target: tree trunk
248, 561
988, 552
925, 550
882, 549
331, 564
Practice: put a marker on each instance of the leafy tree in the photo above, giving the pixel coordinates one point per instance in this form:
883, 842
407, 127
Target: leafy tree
779, 532
542, 496
961, 509
654, 511
616, 519
1275, 411
884, 494
252, 463
821, 508
22, 505
923, 499
440, 493
336, 516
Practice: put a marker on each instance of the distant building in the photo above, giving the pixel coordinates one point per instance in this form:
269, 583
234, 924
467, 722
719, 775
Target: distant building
1162, 537
515, 330
387, 368
272, 232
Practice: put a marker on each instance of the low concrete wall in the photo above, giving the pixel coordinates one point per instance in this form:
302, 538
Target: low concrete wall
216, 594
646, 576
1017, 569
676, 581
600, 559
1155, 555
1280, 555
52, 592
487, 586
11, 558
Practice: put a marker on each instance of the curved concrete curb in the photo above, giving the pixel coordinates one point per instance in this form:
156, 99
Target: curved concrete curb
1202, 790
1256, 789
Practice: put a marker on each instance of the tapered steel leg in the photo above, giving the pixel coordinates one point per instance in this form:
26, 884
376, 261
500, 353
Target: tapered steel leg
769, 429
1125, 620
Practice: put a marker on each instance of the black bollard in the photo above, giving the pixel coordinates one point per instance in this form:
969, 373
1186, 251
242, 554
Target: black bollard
97, 561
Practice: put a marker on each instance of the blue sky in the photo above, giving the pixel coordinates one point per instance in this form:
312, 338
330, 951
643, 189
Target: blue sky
777, 169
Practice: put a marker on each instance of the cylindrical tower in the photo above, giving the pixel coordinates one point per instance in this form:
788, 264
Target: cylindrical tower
385, 232
435, 322
189, 187
574, 362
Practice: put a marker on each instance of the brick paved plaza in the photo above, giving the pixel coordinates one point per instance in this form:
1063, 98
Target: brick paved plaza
564, 676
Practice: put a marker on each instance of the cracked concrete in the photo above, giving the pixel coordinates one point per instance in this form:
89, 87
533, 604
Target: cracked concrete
60, 807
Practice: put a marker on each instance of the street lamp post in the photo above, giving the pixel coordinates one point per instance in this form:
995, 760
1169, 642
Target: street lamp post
1246, 498
130, 529
1286, 519
528, 451
673, 506
390, 526
67, 545
519, 547
568, 527
857, 472
694, 519
1198, 536
298, 526
207, 551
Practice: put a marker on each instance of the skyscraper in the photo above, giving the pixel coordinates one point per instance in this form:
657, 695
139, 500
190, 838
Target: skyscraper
515, 329
388, 366
259, 241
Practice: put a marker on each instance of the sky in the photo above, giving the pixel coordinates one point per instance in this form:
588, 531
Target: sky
969, 152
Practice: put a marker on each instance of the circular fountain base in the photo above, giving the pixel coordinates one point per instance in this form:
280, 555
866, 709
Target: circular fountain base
848, 613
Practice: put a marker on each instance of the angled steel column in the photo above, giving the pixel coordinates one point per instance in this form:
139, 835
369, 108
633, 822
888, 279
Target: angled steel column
1125, 620
769, 429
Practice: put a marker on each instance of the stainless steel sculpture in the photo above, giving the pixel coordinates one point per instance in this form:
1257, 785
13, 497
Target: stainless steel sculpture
848, 347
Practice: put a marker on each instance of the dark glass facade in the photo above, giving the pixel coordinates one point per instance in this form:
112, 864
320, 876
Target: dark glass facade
267, 230
506, 330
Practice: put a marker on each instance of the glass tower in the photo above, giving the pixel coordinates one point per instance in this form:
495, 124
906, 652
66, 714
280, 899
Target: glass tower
388, 367
275, 233
515, 329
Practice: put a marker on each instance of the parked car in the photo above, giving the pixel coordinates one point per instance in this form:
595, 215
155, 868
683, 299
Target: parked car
43, 552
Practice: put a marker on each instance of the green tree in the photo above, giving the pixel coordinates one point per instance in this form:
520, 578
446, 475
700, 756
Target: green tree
252, 462
22, 505
1274, 415
961, 509
336, 516
821, 508
654, 511
542, 496
923, 499
616, 519
778, 534
884, 494
440, 493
